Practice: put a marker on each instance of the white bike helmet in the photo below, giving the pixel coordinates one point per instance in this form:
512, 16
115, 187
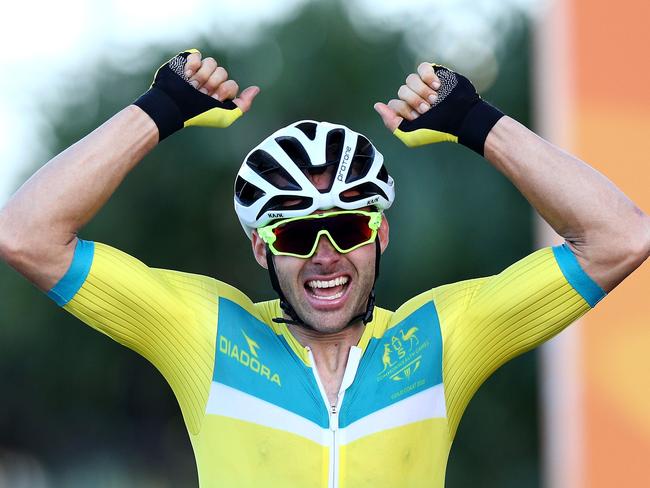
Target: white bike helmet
272, 182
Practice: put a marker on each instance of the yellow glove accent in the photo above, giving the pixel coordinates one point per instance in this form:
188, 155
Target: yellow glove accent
421, 137
215, 117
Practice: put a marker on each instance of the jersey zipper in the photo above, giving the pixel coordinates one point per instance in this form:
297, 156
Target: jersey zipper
334, 454
351, 367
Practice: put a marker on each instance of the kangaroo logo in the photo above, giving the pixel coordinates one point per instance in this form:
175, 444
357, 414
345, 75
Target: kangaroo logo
402, 355
388, 362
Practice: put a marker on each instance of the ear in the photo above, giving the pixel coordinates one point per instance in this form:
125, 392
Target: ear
259, 250
382, 233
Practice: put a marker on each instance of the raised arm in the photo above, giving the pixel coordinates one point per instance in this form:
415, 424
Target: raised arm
39, 224
608, 234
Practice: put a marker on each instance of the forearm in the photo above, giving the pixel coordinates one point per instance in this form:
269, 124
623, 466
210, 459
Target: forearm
38, 225
608, 233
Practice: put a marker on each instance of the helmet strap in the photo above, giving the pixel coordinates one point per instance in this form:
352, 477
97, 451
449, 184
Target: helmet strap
286, 307
284, 304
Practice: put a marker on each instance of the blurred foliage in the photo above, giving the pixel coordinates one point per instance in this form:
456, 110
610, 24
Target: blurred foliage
95, 414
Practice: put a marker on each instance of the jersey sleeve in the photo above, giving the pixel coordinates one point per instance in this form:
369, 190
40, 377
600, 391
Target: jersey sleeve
488, 321
166, 316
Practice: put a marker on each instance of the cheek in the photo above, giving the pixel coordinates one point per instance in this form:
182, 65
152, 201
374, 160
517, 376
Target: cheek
287, 267
363, 259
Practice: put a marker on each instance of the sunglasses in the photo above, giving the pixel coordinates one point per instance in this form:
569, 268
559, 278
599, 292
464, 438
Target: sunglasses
299, 236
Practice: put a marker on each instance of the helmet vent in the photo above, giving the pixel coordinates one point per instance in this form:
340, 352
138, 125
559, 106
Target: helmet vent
246, 193
383, 174
334, 146
284, 202
293, 148
361, 192
268, 168
364, 155
308, 128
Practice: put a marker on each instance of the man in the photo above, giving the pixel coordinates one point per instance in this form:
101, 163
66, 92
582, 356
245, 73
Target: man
321, 387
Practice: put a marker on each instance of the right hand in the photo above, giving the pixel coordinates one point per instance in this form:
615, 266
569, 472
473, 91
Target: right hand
190, 91
209, 78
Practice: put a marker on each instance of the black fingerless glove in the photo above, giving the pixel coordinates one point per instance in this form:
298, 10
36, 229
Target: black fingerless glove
459, 115
173, 103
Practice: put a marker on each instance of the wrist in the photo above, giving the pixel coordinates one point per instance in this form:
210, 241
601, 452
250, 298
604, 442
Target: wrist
162, 110
498, 138
142, 127
477, 125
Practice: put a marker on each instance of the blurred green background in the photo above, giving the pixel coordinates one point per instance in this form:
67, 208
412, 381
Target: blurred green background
78, 410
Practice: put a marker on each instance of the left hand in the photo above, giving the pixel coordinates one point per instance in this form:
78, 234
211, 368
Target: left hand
439, 105
415, 97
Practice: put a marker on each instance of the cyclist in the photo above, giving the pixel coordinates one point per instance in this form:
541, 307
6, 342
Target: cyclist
321, 387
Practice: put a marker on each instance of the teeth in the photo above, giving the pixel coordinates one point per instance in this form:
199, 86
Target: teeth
341, 280
330, 297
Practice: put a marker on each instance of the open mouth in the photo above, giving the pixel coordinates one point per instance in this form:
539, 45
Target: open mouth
327, 289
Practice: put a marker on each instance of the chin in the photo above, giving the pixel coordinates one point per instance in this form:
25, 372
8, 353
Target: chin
325, 323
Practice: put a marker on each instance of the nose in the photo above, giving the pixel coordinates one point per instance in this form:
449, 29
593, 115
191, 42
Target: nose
325, 252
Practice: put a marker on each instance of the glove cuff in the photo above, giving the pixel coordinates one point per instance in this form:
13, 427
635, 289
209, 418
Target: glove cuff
477, 125
162, 110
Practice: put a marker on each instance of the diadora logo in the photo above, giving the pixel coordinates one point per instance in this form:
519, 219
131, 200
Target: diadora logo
252, 345
402, 355
248, 358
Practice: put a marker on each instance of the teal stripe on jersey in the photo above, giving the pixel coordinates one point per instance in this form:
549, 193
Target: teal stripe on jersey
405, 361
576, 276
250, 357
69, 285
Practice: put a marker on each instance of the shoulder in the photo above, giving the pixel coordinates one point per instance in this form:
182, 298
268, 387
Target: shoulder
441, 300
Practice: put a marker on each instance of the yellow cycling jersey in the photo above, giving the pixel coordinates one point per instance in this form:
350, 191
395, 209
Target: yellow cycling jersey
252, 401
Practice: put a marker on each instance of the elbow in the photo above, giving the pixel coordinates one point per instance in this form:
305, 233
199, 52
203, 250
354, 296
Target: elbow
636, 243
640, 246
620, 253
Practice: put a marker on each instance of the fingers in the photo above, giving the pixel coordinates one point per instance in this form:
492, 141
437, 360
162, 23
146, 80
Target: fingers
226, 91
415, 97
416, 102
198, 79
192, 64
403, 109
211, 79
389, 116
417, 86
217, 77
246, 97
428, 75
418, 94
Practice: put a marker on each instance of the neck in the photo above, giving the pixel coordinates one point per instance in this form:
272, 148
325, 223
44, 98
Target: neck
330, 350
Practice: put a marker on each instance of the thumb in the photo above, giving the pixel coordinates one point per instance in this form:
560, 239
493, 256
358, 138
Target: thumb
388, 115
245, 98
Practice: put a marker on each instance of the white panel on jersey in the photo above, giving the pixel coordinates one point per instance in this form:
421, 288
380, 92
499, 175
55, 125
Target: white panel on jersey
236, 404
424, 405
